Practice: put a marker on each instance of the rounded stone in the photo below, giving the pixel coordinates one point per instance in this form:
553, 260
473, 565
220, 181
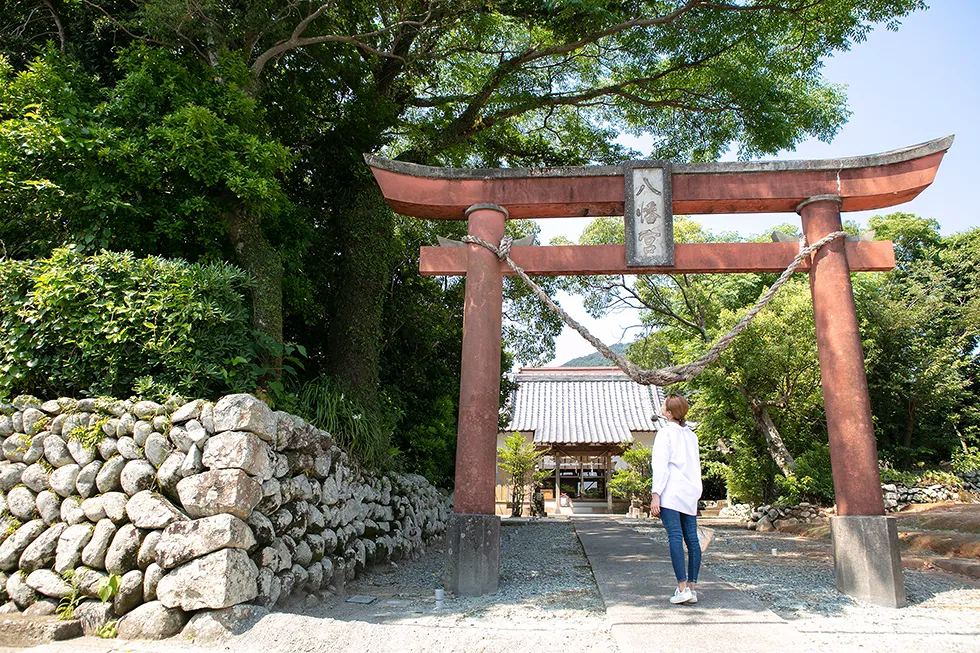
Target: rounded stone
16, 446
123, 553
35, 477
43, 608
49, 506
71, 511
137, 475
85, 483
62, 480
107, 480
41, 552
15, 544
130, 592
21, 503
151, 578
48, 583
36, 450
114, 505
148, 550
157, 448
93, 509
129, 449
10, 474
152, 620
141, 431
83, 455
94, 553
107, 448
22, 594
70, 546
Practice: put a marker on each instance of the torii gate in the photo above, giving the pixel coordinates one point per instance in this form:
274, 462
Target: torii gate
866, 554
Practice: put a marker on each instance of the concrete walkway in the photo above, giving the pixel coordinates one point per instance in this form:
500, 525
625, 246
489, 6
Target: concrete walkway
635, 579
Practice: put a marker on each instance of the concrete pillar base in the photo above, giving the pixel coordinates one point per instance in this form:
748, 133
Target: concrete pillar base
867, 561
473, 554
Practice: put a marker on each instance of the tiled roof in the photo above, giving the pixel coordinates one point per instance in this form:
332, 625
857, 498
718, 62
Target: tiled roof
584, 405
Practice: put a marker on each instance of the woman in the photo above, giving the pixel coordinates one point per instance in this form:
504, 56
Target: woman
676, 490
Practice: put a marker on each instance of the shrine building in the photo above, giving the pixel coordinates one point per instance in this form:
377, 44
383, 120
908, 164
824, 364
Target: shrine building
584, 418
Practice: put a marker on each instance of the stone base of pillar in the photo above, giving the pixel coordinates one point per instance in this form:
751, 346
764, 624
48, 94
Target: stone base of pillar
473, 554
867, 561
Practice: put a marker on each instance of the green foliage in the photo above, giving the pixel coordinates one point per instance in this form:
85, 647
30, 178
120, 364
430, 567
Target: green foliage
205, 131
921, 478
89, 436
108, 587
635, 481
361, 429
518, 459
812, 482
75, 324
108, 630
68, 604
966, 461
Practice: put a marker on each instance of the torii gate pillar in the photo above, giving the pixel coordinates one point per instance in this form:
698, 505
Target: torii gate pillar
867, 563
473, 539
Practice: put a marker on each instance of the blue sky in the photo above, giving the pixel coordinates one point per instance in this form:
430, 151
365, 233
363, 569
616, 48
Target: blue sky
906, 87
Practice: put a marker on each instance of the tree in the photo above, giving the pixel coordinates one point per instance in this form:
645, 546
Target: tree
634, 482
518, 458
921, 332
462, 82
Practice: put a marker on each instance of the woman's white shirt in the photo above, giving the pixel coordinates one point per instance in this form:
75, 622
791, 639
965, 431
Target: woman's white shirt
676, 467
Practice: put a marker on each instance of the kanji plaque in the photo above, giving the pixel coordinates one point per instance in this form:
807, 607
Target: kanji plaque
648, 214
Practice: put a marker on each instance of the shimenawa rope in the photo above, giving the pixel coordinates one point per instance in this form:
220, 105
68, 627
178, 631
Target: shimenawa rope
674, 373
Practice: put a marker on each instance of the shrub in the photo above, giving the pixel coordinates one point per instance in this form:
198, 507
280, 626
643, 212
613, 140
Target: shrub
634, 482
813, 480
966, 461
96, 325
363, 430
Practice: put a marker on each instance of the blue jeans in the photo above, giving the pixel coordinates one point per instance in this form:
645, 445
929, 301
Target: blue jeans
682, 529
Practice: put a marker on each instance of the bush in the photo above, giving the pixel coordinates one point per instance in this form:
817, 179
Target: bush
966, 461
634, 482
922, 478
813, 480
107, 323
363, 430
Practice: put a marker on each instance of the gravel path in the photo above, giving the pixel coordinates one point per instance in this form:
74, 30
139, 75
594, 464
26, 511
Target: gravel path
798, 584
548, 601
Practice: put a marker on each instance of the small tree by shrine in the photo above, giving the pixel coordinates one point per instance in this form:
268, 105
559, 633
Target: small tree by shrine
518, 459
633, 483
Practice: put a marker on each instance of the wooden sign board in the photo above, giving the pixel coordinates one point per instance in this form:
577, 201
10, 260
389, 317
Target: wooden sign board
648, 214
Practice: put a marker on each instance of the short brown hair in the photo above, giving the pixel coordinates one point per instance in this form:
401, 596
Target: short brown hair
677, 406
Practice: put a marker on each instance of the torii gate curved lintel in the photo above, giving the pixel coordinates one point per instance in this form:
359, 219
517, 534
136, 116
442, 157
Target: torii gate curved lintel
867, 559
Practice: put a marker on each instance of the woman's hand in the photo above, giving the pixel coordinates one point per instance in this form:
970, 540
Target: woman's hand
655, 505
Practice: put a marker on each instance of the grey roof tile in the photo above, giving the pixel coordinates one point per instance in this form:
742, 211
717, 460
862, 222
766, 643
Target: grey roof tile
576, 407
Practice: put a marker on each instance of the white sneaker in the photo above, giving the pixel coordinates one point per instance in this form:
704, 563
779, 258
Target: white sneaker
681, 597
694, 596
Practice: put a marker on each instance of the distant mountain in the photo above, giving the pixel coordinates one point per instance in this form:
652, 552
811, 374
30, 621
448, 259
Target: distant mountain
596, 359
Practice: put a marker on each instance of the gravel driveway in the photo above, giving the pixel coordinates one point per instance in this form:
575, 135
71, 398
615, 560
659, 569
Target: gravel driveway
798, 584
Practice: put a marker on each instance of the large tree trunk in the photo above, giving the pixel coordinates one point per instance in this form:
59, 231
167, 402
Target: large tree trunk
254, 254
365, 226
774, 442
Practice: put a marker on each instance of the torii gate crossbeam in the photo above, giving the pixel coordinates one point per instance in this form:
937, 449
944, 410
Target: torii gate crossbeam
866, 555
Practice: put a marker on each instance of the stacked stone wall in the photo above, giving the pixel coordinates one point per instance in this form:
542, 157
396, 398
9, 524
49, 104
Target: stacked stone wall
187, 508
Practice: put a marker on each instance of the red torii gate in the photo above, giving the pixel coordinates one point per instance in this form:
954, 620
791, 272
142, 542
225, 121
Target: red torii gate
866, 554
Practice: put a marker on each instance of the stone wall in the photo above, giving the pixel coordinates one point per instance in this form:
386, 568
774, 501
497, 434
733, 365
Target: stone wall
768, 518
898, 496
192, 508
